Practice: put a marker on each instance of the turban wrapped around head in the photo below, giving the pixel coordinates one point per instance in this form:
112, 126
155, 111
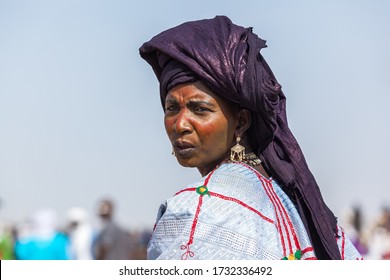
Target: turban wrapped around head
226, 57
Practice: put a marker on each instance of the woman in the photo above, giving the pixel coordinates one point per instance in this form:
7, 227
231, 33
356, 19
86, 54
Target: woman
225, 115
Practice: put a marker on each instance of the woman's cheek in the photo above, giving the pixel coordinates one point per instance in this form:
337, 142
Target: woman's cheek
168, 123
212, 136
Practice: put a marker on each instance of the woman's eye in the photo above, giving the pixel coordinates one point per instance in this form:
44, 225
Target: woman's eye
201, 109
170, 108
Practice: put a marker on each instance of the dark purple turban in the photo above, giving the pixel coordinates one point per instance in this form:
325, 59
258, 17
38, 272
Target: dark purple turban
227, 58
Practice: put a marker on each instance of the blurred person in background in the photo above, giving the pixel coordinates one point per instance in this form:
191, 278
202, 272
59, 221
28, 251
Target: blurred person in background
6, 242
112, 242
379, 237
140, 241
42, 240
81, 234
353, 227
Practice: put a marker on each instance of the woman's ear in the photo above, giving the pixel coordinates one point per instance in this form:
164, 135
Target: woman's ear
244, 121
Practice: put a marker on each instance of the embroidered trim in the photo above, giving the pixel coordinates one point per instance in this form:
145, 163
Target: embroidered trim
232, 199
279, 210
285, 219
188, 252
283, 222
306, 250
201, 190
242, 204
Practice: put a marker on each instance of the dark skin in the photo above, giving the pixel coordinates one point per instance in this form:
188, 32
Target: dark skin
203, 127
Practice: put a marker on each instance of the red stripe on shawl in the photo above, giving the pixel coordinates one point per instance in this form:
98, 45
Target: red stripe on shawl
242, 204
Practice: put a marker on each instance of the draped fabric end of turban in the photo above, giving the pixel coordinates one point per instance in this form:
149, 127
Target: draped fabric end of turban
226, 57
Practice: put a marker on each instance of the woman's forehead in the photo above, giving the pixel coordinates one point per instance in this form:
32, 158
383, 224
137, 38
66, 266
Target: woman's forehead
191, 91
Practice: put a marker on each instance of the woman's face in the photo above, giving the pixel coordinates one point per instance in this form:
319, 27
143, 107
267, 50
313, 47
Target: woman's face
200, 125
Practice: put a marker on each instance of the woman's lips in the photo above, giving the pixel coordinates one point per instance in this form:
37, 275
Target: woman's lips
183, 149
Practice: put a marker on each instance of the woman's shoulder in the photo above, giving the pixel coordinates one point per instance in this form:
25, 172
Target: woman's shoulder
236, 176
228, 172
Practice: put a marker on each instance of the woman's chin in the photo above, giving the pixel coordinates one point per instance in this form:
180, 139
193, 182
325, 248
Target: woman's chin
185, 162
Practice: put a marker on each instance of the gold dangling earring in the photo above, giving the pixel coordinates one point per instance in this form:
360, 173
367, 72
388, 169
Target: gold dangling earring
237, 152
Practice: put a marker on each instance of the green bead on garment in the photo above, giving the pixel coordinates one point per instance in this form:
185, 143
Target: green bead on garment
298, 254
202, 190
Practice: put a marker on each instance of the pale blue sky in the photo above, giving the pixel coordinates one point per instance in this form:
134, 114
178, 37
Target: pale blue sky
80, 115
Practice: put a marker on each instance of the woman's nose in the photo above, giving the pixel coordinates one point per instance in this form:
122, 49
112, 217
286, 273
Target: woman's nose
182, 124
